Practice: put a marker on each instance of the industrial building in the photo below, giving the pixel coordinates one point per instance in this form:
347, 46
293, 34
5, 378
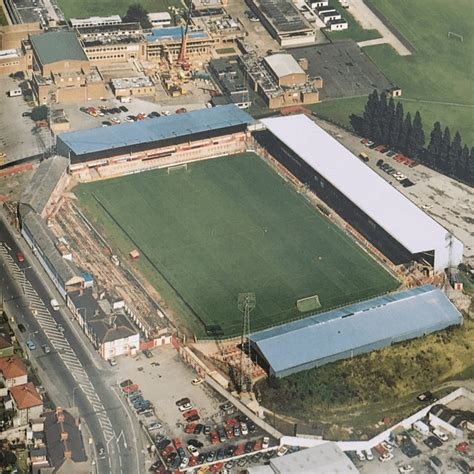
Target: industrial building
113, 43
283, 21
159, 19
133, 86
161, 142
281, 80
352, 330
383, 216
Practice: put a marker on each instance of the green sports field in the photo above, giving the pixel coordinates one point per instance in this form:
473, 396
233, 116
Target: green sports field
231, 225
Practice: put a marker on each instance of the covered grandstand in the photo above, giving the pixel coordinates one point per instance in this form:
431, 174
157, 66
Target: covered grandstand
386, 218
96, 143
101, 153
354, 329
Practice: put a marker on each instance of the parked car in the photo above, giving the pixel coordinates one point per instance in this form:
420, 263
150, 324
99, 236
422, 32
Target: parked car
189, 429
206, 430
185, 407
368, 454
195, 417
100, 450
46, 349
31, 345
183, 401
148, 354
197, 381
20, 257
181, 110
441, 435
21, 328
386, 457
195, 442
198, 429
282, 450
193, 451
156, 425
244, 429
123, 108
265, 442
406, 468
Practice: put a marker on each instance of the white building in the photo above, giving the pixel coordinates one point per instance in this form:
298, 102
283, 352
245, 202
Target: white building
337, 25
95, 21
319, 4
159, 19
376, 209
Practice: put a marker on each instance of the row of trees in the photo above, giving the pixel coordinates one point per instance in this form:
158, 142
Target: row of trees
385, 122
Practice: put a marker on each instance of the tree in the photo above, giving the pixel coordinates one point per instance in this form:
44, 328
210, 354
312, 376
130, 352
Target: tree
434, 147
396, 127
470, 168
444, 150
454, 155
137, 14
387, 121
462, 164
370, 113
416, 140
405, 133
39, 113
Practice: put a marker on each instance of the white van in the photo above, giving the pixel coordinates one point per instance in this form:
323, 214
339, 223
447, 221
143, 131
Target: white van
54, 304
422, 428
14, 92
441, 435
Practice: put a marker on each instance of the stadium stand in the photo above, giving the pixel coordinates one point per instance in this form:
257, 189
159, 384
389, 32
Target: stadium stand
386, 218
354, 329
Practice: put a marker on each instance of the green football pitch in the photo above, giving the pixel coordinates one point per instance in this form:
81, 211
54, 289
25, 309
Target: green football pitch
226, 226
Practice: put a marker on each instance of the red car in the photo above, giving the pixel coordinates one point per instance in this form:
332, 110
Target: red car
240, 449
232, 422
229, 432
177, 443
130, 388
190, 413
258, 445
182, 110
193, 461
214, 437
190, 428
20, 257
380, 449
463, 447
216, 467
167, 451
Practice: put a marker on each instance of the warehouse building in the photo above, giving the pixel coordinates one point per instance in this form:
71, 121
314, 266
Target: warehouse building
355, 329
161, 142
384, 217
285, 70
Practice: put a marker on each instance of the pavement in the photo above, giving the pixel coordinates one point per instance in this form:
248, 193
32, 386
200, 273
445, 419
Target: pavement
72, 373
19, 137
369, 21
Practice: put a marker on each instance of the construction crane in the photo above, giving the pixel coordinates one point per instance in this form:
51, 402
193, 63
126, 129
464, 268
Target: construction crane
184, 37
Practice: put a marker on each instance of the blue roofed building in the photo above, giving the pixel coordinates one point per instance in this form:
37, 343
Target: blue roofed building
355, 329
155, 142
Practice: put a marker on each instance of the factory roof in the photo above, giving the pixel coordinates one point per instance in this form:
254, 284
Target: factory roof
159, 16
380, 201
55, 46
43, 183
283, 65
96, 20
389, 318
149, 131
283, 15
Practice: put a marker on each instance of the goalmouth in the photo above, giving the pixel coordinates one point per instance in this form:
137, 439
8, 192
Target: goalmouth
311, 303
183, 166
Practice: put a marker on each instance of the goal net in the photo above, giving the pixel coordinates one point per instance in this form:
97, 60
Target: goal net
183, 166
311, 303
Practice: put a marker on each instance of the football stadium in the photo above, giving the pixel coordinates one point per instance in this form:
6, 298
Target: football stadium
229, 225
215, 204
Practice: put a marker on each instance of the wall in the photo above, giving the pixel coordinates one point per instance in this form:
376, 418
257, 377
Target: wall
438, 422
120, 347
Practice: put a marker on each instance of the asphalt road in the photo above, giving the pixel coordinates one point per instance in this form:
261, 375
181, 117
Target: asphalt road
72, 373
